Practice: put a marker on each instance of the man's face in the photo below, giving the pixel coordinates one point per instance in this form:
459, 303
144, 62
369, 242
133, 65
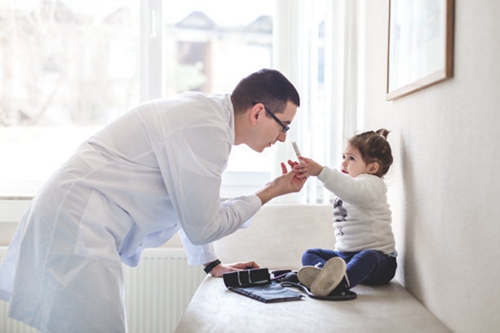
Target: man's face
269, 130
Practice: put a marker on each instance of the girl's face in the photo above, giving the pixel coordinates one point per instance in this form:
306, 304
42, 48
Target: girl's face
352, 163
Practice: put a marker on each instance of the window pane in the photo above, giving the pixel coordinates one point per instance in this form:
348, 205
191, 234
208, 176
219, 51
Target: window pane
67, 68
209, 46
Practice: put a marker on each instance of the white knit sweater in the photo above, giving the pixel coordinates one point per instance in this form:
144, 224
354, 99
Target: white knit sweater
362, 216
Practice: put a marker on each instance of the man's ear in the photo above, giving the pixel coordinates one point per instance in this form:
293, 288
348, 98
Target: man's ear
255, 113
373, 168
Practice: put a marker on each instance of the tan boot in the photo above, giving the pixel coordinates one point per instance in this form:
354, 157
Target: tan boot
329, 277
307, 275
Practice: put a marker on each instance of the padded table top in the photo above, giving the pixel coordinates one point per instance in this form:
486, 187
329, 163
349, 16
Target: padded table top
389, 308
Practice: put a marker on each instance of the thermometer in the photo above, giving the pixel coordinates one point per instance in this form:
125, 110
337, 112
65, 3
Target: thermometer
296, 148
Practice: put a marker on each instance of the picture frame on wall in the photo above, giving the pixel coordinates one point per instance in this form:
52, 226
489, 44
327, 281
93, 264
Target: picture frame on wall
420, 45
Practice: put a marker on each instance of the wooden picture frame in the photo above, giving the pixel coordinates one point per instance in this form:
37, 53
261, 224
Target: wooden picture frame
420, 45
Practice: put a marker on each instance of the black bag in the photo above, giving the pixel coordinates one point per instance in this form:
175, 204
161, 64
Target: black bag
247, 278
269, 293
257, 284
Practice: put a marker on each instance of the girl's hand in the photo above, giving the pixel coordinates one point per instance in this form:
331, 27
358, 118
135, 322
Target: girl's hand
307, 167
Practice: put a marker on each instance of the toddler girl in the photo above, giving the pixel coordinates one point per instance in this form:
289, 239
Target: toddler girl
365, 247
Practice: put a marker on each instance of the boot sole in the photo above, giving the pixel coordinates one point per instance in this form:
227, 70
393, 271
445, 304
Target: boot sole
330, 276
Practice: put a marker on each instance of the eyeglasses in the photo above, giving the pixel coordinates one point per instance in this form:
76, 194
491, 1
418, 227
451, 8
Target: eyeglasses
285, 127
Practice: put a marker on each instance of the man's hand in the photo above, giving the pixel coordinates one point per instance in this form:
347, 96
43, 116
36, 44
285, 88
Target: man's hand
219, 270
288, 182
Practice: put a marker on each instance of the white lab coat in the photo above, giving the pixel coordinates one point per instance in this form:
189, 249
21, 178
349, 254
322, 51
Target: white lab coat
151, 173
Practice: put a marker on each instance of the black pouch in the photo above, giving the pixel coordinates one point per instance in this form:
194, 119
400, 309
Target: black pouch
247, 278
257, 284
269, 293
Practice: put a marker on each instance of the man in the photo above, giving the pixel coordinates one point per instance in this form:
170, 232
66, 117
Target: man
154, 171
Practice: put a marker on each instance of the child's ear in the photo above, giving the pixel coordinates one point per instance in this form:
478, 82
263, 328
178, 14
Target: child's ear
373, 168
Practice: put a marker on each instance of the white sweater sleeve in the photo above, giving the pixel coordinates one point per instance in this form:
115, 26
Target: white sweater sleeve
363, 191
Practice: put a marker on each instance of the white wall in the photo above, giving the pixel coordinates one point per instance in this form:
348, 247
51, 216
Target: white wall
444, 187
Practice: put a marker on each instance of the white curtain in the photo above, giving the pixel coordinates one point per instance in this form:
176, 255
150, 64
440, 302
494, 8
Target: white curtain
316, 47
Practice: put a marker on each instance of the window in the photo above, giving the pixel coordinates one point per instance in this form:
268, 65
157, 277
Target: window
67, 68
70, 66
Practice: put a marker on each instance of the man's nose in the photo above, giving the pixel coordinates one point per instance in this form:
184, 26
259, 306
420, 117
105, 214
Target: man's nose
282, 137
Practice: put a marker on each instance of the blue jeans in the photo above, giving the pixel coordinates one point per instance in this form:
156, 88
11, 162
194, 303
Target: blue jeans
367, 267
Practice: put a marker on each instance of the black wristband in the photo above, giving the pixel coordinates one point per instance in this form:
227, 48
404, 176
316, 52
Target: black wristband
208, 268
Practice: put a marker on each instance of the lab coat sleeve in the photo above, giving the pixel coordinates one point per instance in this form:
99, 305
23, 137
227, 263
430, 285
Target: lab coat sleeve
192, 162
197, 254
201, 254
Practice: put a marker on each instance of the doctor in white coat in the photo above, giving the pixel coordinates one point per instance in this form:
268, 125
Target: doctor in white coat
153, 172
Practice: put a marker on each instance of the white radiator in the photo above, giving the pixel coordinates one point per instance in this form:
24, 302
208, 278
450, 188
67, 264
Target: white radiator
157, 292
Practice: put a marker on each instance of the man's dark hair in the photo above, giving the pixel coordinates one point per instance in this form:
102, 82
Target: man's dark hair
267, 86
